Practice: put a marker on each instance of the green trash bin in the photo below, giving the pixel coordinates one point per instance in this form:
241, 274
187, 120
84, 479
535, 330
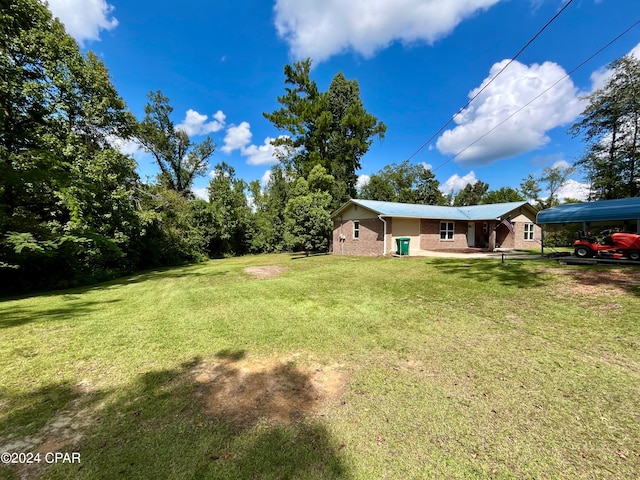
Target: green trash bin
403, 245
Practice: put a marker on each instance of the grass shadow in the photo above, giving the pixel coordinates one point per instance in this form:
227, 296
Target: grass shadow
182, 423
155, 274
47, 419
229, 354
14, 317
31, 411
510, 273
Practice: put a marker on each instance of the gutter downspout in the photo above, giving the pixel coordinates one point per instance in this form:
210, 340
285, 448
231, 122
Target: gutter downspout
384, 235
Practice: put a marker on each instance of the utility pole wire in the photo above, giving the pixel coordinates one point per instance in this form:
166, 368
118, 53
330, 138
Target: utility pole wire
582, 64
441, 129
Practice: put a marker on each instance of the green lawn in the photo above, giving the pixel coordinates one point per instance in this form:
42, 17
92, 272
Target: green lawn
355, 368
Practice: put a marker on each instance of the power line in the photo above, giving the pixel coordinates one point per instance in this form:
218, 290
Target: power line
441, 129
568, 74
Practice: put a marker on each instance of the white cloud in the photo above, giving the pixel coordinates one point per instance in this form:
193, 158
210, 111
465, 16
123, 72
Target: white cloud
455, 183
573, 189
426, 166
599, 78
265, 154
126, 147
322, 28
362, 181
264, 180
563, 164
84, 19
195, 123
237, 137
201, 193
526, 130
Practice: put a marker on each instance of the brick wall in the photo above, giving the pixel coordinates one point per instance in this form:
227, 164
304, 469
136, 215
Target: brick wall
520, 242
370, 241
505, 239
430, 236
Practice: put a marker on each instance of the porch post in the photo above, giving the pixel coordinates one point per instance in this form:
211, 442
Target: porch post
492, 236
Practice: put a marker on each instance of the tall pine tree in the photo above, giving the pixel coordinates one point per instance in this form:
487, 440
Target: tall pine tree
331, 129
611, 127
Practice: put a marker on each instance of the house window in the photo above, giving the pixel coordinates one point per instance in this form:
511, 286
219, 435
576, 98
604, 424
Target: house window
356, 229
485, 227
446, 231
528, 231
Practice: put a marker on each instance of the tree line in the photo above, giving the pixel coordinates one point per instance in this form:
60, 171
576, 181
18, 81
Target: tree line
411, 183
73, 209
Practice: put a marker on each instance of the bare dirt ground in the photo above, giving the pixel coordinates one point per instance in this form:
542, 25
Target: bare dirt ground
266, 272
62, 432
267, 390
598, 283
243, 392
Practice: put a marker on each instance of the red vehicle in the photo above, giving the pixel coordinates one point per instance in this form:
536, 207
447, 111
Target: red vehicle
614, 245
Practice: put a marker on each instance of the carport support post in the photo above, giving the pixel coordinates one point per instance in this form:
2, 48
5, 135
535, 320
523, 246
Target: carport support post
542, 240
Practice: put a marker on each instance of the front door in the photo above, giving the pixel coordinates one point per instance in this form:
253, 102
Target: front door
471, 234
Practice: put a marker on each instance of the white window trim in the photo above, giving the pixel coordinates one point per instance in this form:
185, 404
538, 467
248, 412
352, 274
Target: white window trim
446, 230
356, 229
530, 233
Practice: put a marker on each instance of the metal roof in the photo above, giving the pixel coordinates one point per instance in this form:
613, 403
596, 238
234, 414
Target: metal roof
474, 212
603, 210
491, 210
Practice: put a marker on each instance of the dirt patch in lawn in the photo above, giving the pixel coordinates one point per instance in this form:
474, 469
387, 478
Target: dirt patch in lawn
599, 283
273, 390
60, 434
263, 273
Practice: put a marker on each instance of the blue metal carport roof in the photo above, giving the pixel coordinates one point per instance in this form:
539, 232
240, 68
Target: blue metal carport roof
602, 211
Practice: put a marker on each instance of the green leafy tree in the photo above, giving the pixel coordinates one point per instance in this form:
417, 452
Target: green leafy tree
331, 129
550, 182
58, 111
502, 195
471, 194
554, 178
180, 160
99, 202
610, 126
530, 188
307, 214
405, 183
232, 215
269, 217
172, 230
381, 188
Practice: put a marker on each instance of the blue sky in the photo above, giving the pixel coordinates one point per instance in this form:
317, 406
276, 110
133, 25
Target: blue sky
417, 62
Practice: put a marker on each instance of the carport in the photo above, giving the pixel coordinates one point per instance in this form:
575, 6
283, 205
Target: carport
625, 210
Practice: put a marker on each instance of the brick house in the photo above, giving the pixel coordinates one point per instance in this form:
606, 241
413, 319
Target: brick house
369, 227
